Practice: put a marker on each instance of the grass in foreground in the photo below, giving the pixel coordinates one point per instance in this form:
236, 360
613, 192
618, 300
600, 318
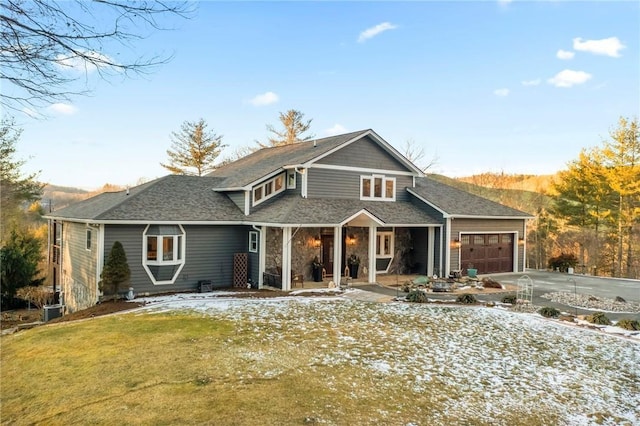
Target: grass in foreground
332, 362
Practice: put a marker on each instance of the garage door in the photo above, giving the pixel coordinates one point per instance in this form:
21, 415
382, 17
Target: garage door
488, 253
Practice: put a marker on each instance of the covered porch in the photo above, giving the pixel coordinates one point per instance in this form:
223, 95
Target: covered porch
356, 251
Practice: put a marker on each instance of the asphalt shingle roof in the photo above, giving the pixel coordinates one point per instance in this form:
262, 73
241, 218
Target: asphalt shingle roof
457, 202
170, 198
268, 160
291, 209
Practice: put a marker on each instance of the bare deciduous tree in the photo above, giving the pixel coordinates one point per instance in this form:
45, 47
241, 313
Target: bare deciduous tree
415, 154
50, 48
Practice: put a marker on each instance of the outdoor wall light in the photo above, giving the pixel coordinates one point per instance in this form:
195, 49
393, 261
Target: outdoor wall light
316, 241
521, 241
351, 239
457, 243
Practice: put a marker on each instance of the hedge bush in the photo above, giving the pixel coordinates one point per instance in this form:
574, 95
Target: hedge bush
509, 298
563, 262
549, 312
467, 299
599, 318
417, 296
628, 324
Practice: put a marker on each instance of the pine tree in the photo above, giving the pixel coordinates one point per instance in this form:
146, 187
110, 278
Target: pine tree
621, 158
19, 259
116, 270
15, 188
293, 128
194, 149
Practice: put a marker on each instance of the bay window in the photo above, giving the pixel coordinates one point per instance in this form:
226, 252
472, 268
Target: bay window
163, 256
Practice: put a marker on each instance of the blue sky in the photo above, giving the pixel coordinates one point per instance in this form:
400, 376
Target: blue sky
514, 87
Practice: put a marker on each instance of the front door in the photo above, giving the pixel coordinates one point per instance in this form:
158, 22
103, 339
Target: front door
326, 253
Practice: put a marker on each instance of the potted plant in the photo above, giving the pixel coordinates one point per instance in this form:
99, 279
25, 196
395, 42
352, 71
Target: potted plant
316, 269
354, 263
471, 271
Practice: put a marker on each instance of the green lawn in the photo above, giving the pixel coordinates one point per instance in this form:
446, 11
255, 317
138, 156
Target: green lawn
317, 361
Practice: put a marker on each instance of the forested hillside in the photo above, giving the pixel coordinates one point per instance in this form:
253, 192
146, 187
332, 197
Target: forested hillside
527, 193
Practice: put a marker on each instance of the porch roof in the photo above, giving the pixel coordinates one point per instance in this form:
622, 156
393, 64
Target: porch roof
293, 210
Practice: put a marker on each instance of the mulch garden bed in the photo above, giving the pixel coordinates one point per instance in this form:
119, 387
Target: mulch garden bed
11, 319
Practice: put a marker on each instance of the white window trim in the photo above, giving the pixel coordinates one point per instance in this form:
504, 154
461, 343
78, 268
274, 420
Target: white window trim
159, 257
291, 173
253, 241
273, 192
383, 234
372, 178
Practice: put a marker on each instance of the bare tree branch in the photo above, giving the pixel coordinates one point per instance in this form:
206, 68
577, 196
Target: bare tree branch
47, 48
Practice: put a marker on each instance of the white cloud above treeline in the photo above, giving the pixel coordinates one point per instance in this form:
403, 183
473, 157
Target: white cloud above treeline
565, 54
267, 98
374, 31
336, 129
62, 108
535, 82
569, 78
607, 46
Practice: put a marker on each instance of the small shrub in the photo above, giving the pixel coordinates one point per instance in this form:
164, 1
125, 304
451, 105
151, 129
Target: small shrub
599, 318
417, 296
563, 262
628, 324
467, 299
509, 298
490, 283
549, 312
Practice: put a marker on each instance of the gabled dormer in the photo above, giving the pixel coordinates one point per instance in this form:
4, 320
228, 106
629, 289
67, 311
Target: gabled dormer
358, 165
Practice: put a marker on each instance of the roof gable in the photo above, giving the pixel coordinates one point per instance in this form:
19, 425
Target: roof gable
266, 162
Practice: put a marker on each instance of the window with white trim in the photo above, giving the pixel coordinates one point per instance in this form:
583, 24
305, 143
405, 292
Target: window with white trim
268, 189
384, 250
384, 244
88, 239
377, 187
163, 252
253, 242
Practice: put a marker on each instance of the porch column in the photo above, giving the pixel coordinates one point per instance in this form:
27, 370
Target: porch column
373, 230
262, 255
286, 258
337, 255
431, 237
447, 250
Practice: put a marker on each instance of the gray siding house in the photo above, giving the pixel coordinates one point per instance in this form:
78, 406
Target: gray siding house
265, 218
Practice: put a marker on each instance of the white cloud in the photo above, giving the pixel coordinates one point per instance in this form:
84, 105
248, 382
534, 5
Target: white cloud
565, 54
501, 92
568, 78
267, 98
336, 130
81, 65
374, 31
607, 46
62, 108
535, 82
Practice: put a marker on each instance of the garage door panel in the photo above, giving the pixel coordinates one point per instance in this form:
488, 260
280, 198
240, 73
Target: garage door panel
488, 253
